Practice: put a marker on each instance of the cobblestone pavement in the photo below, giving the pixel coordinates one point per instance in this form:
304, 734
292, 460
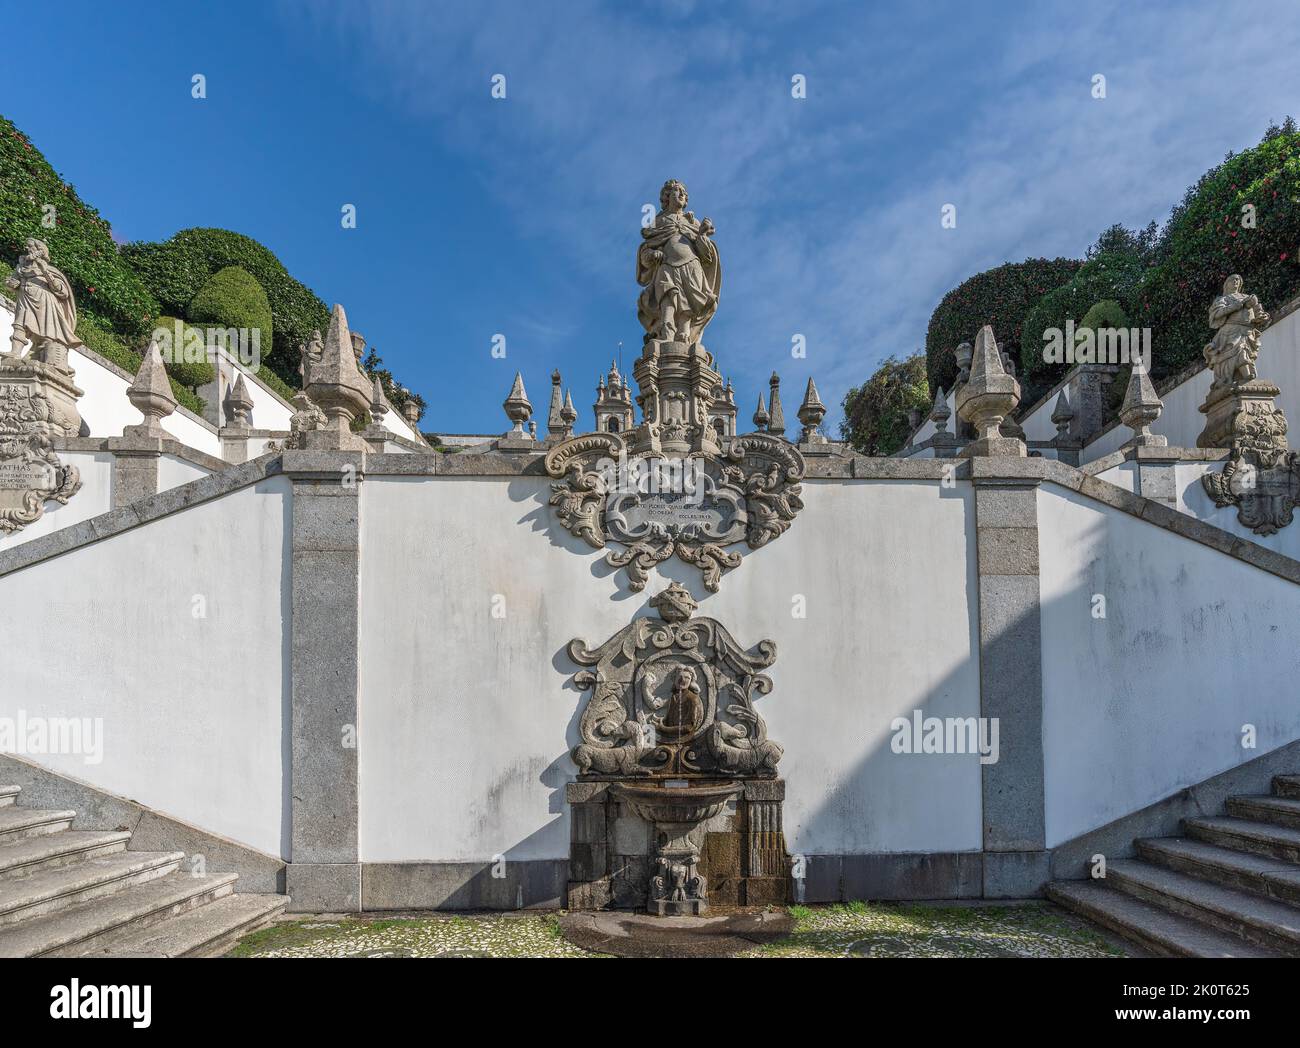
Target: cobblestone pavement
851, 930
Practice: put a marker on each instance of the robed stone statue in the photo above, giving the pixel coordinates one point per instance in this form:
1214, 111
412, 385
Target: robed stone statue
678, 266
1237, 319
45, 311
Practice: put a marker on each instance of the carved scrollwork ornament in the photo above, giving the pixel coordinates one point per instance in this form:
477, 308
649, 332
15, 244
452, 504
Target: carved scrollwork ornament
674, 696
751, 493
1265, 494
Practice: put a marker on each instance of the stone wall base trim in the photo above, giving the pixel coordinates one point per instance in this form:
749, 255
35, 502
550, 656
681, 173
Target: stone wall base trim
891, 876
1072, 859
1015, 874
323, 887
151, 830
524, 884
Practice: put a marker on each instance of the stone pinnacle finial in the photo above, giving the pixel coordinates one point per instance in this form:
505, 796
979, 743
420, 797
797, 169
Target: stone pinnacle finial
554, 422
336, 385
761, 417
1062, 416
151, 394
568, 414
940, 412
1141, 408
811, 412
989, 396
777, 424
378, 403
238, 404
518, 408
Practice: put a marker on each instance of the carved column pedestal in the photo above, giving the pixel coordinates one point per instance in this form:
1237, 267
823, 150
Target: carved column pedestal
32, 380
1242, 412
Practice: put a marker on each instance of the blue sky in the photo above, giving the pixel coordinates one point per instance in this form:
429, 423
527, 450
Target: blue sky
520, 216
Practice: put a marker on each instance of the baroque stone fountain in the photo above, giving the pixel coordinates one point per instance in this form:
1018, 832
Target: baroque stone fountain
677, 801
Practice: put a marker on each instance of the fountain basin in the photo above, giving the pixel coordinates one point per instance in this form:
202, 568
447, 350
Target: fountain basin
687, 804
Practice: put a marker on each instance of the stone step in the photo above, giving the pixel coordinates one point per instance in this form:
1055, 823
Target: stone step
1269, 877
16, 823
208, 931
30, 854
47, 892
1286, 786
1267, 923
81, 927
9, 795
1280, 811
1259, 838
1153, 929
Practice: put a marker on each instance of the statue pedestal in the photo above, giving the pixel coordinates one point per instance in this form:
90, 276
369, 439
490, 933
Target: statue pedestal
41, 382
678, 385
1243, 414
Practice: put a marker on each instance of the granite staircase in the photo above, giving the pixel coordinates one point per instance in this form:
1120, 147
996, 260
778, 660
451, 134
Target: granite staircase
74, 893
1230, 887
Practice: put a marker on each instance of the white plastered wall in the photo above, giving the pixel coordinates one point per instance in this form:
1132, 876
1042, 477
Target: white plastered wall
467, 720
1194, 647
174, 635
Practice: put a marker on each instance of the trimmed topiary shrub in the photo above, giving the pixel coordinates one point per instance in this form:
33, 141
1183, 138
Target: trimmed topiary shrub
1105, 314
1214, 233
81, 244
233, 299
1000, 297
177, 269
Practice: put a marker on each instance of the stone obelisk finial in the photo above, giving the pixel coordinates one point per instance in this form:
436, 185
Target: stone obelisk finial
989, 396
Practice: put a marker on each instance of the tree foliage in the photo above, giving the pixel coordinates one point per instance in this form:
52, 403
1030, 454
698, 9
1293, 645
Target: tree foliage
875, 413
36, 202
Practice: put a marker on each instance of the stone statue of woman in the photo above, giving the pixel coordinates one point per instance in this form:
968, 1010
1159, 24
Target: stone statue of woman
46, 312
1237, 319
678, 266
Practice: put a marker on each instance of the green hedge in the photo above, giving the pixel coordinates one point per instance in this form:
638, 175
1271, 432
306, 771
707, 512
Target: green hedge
1108, 276
1000, 297
1204, 241
121, 293
81, 244
177, 269
234, 299
278, 384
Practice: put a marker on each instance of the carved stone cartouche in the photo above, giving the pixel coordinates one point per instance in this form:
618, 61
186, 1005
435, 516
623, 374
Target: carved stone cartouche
674, 697
693, 507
